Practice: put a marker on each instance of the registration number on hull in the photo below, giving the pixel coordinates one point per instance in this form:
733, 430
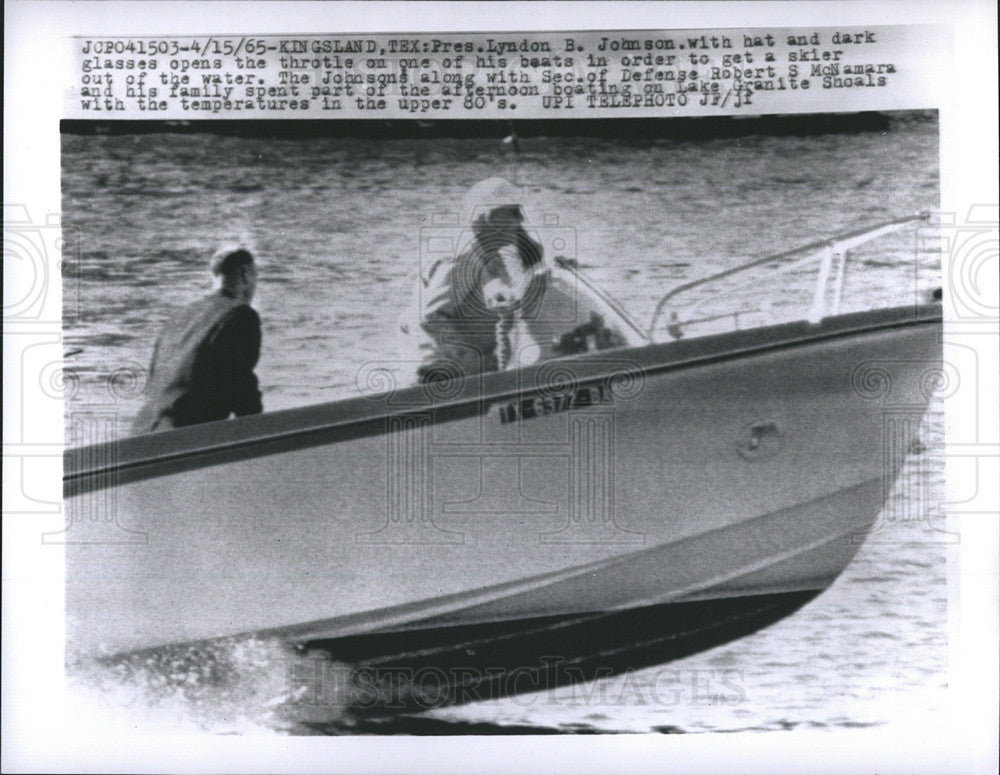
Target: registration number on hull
550, 403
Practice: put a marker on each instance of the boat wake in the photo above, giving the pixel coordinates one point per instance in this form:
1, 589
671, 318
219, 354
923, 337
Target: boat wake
225, 687
253, 685
257, 687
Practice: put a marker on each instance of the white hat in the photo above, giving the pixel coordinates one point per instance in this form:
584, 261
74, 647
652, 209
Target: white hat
488, 195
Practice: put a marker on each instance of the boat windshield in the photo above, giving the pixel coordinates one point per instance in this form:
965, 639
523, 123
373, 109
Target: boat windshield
893, 262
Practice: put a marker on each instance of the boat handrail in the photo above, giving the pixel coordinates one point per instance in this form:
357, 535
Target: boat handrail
826, 250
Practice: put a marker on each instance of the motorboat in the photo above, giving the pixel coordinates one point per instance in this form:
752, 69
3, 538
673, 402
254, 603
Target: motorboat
624, 497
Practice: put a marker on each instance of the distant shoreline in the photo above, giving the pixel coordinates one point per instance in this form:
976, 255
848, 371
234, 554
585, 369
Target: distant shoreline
637, 129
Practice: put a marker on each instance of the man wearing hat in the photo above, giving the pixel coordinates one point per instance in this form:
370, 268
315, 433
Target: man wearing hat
467, 303
203, 360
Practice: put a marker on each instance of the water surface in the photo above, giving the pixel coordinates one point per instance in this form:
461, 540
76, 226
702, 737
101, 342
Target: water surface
337, 224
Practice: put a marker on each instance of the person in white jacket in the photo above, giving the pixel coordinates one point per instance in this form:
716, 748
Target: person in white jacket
466, 304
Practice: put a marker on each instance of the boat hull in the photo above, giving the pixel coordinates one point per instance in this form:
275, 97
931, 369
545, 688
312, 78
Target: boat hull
714, 474
417, 670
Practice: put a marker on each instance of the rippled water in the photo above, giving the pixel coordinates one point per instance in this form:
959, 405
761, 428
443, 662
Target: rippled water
337, 224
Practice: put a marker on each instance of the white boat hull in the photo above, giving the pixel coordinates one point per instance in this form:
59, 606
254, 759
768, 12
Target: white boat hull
747, 467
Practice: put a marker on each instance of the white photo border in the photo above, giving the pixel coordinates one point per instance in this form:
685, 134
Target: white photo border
38, 736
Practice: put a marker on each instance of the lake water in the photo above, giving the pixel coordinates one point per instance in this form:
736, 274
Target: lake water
337, 225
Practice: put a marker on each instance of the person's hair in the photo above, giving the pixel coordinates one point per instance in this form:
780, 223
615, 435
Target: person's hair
228, 261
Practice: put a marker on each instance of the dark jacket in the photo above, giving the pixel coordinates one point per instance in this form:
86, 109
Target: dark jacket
202, 366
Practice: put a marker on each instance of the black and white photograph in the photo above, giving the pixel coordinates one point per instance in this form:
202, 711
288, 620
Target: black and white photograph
515, 424
432, 419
